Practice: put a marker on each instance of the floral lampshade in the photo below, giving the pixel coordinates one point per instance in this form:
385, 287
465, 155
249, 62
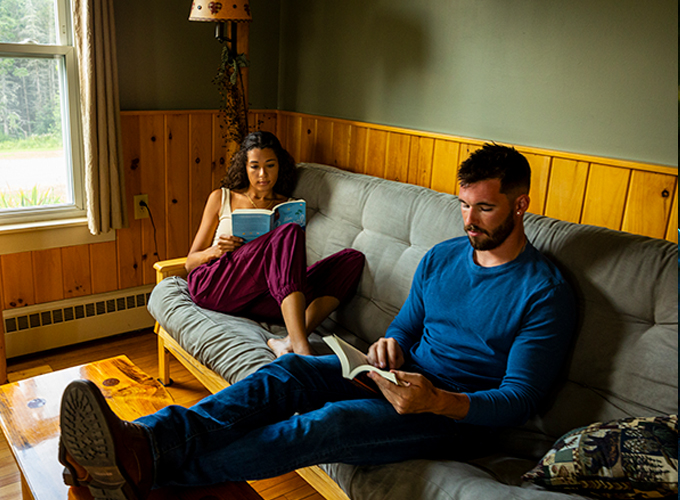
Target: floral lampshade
226, 10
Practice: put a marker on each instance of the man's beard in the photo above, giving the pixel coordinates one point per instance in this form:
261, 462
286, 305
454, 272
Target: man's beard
495, 238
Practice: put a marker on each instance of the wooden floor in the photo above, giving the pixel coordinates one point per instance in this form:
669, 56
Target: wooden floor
140, 347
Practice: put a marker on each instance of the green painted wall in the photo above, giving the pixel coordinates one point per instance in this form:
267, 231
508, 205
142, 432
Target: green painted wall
167, 62
588, 76
164, 61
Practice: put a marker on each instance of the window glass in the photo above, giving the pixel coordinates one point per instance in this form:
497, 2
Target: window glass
28, 21
40, 163
34, 171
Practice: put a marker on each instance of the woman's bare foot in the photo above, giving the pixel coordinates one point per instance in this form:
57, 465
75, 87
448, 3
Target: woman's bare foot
285, 346
280, 346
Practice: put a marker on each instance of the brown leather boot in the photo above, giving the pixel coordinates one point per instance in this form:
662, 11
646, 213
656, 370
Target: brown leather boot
74, 474
109, 455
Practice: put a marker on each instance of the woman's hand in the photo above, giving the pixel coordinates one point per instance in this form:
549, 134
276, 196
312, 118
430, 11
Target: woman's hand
224, 244
227, 244
386, 354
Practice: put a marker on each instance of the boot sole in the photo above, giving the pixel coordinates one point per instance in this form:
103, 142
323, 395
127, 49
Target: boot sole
86, 435
69, 474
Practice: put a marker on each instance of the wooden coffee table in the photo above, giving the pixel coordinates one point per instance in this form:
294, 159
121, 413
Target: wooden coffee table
29, 415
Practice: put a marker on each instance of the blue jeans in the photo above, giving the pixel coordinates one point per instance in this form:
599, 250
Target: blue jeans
294, 412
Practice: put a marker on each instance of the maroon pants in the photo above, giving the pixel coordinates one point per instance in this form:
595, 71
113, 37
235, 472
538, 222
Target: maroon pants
253, 280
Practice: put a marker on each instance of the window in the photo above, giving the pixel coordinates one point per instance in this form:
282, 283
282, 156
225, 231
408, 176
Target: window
41, 171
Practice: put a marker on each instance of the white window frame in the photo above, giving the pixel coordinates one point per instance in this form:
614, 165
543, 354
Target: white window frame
30, 218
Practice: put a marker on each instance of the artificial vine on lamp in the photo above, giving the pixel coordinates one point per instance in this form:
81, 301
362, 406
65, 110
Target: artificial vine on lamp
233, 108
229, 78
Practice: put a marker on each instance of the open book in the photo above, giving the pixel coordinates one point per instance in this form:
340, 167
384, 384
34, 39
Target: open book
250, 223
353, 361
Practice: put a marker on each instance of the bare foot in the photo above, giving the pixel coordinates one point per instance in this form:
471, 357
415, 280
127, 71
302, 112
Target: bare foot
280, 346
285, 346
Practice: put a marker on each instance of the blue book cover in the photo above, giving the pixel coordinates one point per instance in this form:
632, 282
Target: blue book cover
252, 223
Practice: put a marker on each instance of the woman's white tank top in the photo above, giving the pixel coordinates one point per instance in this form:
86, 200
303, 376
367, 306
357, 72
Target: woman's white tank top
224, 226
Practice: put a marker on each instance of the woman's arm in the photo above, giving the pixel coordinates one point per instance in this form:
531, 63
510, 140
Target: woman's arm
202, 250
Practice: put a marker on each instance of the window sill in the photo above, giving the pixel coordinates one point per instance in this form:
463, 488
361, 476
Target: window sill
25, 237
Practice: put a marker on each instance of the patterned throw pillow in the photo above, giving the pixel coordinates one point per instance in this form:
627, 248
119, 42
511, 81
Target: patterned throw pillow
631, 458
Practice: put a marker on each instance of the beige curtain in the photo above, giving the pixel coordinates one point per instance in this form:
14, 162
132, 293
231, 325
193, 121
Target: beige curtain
95, 43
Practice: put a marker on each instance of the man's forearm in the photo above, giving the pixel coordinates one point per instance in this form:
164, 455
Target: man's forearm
451, 404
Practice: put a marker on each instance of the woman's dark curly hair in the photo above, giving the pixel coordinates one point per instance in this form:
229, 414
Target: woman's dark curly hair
237, 177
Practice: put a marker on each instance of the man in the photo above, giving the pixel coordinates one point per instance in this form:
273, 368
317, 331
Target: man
476, 347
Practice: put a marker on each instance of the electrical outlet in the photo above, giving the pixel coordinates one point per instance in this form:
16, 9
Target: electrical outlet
140, 211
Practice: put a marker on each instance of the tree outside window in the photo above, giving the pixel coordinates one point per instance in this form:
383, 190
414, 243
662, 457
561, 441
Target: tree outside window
40, 167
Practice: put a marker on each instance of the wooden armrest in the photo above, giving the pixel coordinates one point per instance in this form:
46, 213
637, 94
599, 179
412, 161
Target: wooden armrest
172, 267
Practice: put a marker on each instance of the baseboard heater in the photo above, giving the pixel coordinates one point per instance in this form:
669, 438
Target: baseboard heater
56, 324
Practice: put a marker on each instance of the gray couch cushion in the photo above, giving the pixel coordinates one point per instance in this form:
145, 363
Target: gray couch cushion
624, 360
439, 480
232, 347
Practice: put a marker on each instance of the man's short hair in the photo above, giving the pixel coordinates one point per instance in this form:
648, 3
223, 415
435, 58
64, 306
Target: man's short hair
497, 162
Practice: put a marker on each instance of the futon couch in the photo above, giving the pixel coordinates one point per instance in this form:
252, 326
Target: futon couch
621, 370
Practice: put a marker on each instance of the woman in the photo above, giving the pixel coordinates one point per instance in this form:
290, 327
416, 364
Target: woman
267, 278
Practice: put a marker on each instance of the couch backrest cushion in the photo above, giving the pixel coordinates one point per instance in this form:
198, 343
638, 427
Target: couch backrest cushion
393, 224
624, 360
625, 355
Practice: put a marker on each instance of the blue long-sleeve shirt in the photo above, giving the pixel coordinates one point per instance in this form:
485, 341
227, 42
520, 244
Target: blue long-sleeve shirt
497, 334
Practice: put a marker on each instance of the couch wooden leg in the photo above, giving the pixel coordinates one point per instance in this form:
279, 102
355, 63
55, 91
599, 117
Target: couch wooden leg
163, 364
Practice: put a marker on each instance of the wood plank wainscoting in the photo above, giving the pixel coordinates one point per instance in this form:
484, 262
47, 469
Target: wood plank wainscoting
178, 157
635, 197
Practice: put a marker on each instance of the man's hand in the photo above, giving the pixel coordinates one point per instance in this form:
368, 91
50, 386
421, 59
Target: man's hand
416, 394
386, 354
